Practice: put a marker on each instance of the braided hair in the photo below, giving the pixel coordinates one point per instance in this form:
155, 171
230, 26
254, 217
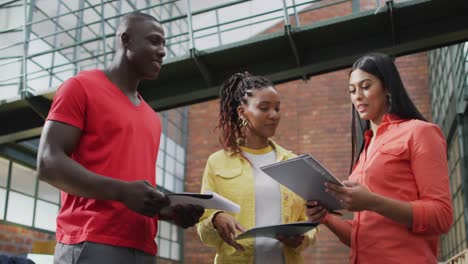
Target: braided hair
234, 92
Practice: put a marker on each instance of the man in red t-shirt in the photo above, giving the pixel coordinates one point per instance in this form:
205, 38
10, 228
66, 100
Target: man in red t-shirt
99, 146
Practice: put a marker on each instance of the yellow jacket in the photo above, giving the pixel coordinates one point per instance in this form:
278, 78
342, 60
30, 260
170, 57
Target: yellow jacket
232, 177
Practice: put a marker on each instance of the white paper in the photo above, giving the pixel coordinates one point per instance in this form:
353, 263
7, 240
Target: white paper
291, 229
306, 177
209, 200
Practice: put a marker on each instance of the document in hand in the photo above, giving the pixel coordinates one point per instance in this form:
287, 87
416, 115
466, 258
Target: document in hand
209, 200
305, 176
291, 229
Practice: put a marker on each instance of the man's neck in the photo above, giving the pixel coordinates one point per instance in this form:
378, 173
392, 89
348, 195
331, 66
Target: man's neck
123, 78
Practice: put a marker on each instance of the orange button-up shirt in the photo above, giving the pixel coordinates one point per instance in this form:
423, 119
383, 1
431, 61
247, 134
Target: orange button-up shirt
407, 162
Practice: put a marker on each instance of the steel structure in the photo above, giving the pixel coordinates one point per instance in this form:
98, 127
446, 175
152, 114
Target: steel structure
204, 44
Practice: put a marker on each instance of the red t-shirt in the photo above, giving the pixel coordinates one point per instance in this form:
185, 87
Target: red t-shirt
118, 140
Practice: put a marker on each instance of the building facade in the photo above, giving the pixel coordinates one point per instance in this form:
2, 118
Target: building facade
316, 115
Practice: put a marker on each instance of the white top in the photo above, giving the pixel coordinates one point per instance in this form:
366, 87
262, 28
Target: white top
267, 205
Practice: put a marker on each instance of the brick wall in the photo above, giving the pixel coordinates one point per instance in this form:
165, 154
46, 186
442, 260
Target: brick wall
315, 118
17, 240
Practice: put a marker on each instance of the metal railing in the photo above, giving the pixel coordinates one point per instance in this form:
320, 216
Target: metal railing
461, 258
56, 39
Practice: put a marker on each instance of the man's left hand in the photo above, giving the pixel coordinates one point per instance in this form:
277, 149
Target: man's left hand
187, 215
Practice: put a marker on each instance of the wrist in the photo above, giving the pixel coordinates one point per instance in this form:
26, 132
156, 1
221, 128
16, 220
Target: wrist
214, 217
167, 213
324, 220
374, 205
118, 191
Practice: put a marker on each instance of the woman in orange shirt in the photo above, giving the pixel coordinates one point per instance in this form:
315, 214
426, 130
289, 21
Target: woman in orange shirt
398, 188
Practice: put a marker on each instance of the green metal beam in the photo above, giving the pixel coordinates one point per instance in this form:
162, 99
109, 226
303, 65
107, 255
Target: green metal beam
19, 154
323, 47
413, 26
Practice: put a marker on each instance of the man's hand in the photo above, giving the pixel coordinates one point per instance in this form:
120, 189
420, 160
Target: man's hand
187, 215
291, 241
227, 227
143, 198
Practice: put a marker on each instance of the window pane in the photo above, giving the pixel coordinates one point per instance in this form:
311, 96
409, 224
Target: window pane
48, 192
169, 181
23, 216
179, 186
164, 229
179, 170
170, 147
23, 179
180, 154
174, 233
170, 165
175, 251
2, 202
160, 161
159, 176
46, 215
162, 141
3, 171
163, 248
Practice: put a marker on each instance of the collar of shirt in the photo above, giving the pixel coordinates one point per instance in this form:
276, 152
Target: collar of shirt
387, 120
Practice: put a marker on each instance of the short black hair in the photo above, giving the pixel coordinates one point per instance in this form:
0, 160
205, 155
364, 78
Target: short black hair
138, 15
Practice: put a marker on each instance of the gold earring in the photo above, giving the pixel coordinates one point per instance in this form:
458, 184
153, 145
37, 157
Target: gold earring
244, 122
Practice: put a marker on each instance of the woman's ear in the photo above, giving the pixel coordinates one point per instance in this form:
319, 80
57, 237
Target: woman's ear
241, 111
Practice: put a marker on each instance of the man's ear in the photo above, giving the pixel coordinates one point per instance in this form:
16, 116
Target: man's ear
125, 39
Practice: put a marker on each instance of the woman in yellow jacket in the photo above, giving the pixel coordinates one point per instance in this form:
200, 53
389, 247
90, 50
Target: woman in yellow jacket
249, 116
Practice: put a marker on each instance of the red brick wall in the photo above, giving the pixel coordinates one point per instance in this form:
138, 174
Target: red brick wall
17, 240
315, 119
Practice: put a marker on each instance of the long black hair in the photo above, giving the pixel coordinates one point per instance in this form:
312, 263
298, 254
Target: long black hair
381, 66
234, 92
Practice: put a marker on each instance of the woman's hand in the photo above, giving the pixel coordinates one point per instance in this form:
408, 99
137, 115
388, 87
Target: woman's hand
315, 212
291, 241
227, 227
353, 196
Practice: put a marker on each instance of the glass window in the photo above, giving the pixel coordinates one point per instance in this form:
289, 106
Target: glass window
164, 248
169, 181
48, 192
159, 176
23, 179
175, 251
4, 171
26, 203
168, 241
179, 186
164, 229
170, 165
455, 240
2, 202
160, 161
180, 153
46, 215
162, 142
170, 147
179, 170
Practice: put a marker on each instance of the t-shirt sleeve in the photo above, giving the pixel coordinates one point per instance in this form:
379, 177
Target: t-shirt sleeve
69, 105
